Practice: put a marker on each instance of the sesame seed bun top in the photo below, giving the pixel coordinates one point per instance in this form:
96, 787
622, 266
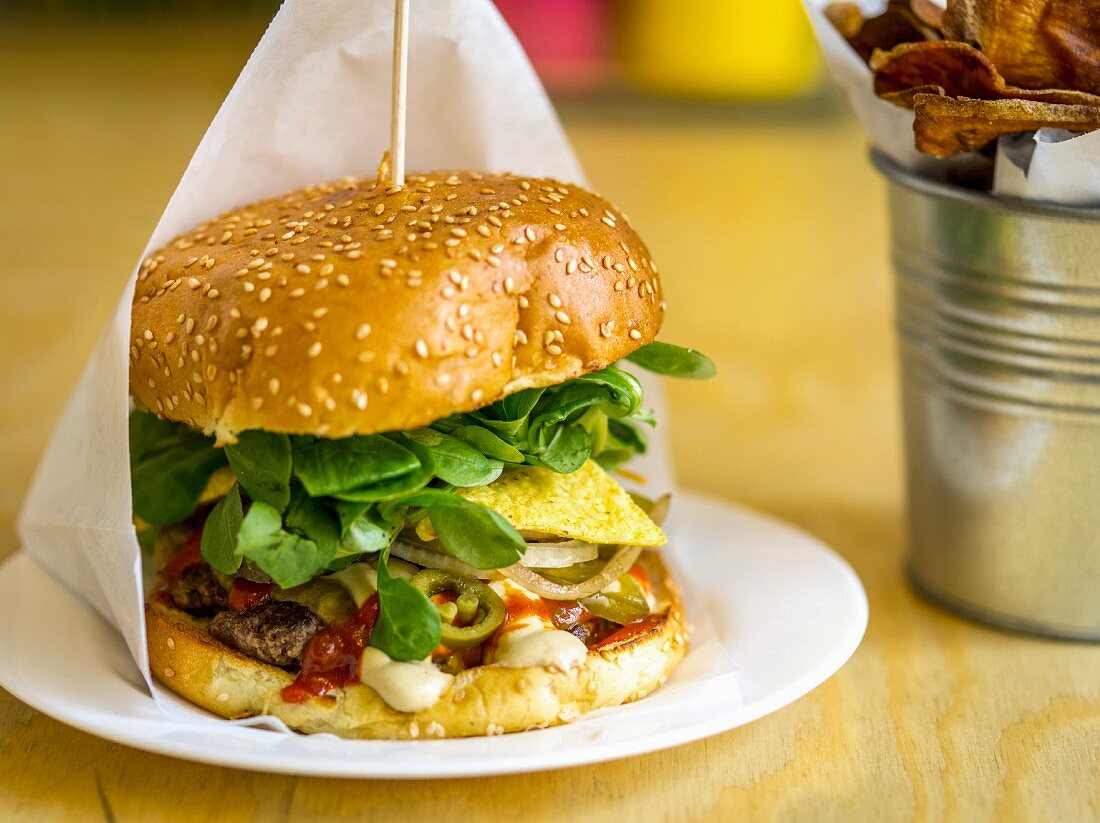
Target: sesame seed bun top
357, 307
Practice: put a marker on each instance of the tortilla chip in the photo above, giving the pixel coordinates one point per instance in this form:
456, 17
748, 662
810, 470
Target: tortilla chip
585, 505
960, 70
1033, 43
946, 126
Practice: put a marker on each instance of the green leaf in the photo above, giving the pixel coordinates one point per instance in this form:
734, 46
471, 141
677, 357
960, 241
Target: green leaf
147, 539
625, 392
408, 626
471, 532
287, 558
327, 467
170, 465
261, 461
307, 517
674, 361
362, 529
452, 460
219, 534
567, 451
488, 443
388, 489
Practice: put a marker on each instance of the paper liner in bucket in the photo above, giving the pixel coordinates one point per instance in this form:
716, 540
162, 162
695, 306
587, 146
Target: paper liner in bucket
1049, 164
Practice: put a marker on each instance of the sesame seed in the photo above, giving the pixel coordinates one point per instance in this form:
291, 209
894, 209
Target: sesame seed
273, 385
529, 233
315, 349
635, 334
571, 267
169, 671
421, 348
304, 410
559, 255
170, 642
363, 331
554, 349
477, 395
303, 268
562, 317
223, 697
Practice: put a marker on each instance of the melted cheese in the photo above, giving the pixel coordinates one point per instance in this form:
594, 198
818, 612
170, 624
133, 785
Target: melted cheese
531, 643
406, 687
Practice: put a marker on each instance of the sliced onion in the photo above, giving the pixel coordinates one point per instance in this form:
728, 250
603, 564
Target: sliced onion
622, 560
558, 555
436, 560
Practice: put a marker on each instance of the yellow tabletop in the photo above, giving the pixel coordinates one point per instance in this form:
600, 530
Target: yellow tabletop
769, 228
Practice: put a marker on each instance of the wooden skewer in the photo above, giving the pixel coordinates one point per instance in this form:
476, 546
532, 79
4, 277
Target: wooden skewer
400, 88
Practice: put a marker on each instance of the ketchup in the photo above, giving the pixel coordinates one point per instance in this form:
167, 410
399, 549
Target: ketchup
331, 659
638, 572
562, 614
245, 594
188, 556
631, 630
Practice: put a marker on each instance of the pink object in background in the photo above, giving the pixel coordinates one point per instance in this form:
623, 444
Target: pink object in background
567, 40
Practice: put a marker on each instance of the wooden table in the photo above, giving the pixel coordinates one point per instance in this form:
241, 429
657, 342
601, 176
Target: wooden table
769, 228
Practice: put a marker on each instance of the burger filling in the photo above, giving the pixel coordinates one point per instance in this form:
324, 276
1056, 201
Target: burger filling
495, 537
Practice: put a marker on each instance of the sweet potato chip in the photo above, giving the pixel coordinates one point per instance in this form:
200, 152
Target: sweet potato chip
1033, 43
945, 126
584, 505
899, 23
960, 70
847, 18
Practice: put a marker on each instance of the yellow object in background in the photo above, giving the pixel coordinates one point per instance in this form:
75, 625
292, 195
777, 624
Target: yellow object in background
734, 49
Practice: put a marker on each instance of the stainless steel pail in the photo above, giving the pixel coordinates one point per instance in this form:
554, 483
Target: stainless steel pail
998, 316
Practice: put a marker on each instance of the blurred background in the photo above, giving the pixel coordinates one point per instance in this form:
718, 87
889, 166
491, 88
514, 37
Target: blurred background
709, 122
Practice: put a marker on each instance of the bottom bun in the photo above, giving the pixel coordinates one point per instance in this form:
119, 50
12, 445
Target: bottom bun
483, 700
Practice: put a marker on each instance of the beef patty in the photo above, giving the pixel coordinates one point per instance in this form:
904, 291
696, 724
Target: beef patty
275, 631
199, 591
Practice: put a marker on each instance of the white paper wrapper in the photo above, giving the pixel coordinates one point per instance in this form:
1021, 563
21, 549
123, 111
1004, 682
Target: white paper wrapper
312, 104
1049, 164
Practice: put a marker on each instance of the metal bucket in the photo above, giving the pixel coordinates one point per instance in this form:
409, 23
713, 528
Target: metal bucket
998, 317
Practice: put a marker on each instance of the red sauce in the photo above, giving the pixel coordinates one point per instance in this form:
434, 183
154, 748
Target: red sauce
631, 630
331, 660
188, 556
245, 594
561, 614
638, 572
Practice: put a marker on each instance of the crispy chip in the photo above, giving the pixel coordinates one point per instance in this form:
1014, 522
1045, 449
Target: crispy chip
959, 70
927, 13
1035, 44
899, 23
847, 18
945, 126
585, 505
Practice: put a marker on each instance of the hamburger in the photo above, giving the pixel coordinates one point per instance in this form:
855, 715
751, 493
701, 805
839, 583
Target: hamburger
375, 443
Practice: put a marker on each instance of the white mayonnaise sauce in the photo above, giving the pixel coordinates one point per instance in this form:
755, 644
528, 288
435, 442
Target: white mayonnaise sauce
531, 643
407, 687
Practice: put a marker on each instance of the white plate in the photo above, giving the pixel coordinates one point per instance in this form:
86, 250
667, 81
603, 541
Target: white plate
787, 610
